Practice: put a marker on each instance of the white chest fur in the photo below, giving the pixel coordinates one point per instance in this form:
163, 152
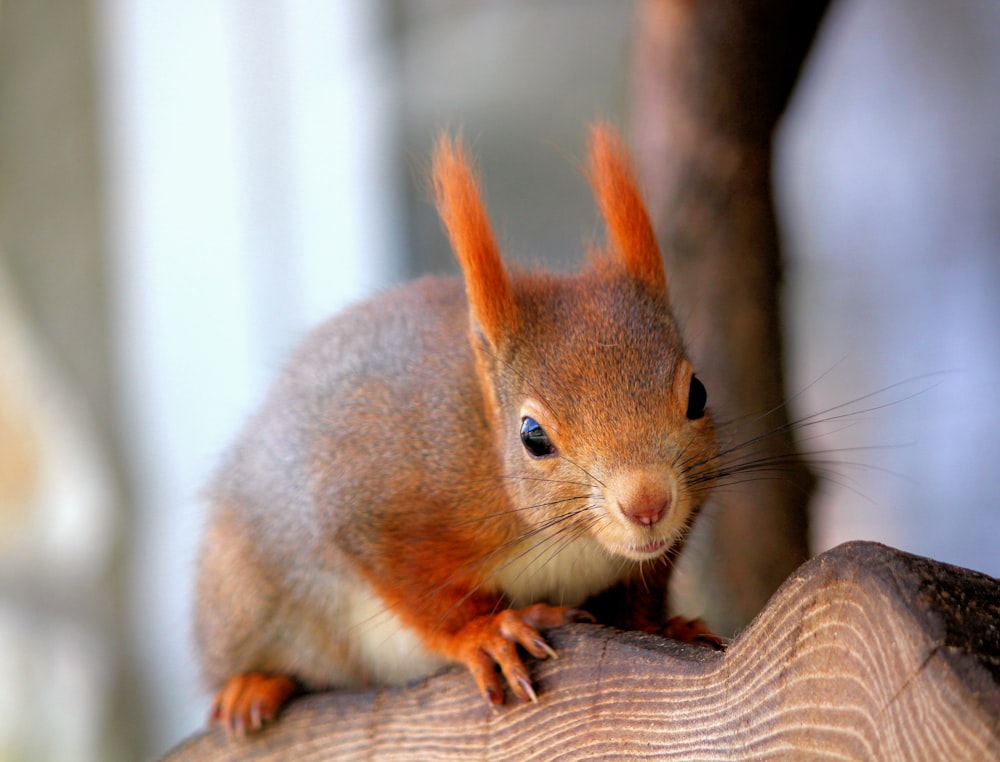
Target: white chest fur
371, 645
558, 571
552, 570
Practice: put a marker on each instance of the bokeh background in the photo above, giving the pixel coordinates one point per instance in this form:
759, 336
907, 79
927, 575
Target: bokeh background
185, 187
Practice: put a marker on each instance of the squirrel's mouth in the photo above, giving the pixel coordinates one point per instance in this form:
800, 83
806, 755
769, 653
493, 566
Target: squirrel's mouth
649, 550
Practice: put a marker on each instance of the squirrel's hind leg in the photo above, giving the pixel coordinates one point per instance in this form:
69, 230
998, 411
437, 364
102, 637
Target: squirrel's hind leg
234, 621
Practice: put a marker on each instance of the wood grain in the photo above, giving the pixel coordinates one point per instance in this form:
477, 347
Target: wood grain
864, 653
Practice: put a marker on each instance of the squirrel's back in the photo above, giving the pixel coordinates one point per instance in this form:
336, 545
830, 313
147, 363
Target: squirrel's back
332, 416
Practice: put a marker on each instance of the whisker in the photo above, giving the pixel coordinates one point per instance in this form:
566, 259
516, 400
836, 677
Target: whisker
531, 533
585, 471
548, 481
486, 559
830, 414
550, 547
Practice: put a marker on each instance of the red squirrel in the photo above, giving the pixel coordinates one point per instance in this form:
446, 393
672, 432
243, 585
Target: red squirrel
445, 469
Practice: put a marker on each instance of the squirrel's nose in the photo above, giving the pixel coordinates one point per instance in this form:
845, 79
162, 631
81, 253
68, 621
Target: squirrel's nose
643, 496
646, 509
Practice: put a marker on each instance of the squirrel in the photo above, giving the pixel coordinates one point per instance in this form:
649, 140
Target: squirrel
445, 469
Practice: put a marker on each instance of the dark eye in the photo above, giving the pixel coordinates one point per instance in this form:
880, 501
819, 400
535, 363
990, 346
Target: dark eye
535, 440
697, 398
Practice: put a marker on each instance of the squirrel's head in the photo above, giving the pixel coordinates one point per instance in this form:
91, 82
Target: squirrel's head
602, 423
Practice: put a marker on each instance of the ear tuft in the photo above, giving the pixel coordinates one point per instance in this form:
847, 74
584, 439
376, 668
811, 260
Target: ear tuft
630, 231
459, 204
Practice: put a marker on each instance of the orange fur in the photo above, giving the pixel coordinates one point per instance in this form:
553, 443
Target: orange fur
629, 228
247, 701
461, 209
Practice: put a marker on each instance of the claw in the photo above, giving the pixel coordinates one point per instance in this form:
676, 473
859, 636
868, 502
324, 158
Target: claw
249, 701
715, 642
235, 728
528, 690
493, 696
256, 721
541, 645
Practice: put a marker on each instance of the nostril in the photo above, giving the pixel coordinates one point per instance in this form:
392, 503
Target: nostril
647, 511
646, 518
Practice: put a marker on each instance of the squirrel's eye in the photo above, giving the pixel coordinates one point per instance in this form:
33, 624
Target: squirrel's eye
535, 440
697, 398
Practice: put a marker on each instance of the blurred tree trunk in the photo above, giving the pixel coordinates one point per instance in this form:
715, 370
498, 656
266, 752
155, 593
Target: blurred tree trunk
711, 79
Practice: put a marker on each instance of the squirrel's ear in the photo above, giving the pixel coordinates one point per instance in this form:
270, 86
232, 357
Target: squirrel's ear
630, 231
456, 192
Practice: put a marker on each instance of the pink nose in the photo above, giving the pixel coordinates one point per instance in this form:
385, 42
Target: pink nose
646, 510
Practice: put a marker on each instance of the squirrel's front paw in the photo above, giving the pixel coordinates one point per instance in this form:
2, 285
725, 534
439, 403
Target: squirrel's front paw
249, 700
693, 631
493, 639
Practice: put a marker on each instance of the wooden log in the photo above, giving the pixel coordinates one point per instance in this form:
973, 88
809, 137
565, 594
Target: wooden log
865, 652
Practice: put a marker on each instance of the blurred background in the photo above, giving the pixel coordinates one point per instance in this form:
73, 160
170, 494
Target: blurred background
185, 187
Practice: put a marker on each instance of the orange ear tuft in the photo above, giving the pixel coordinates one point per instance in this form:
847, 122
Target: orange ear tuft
460, 207
629, 228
